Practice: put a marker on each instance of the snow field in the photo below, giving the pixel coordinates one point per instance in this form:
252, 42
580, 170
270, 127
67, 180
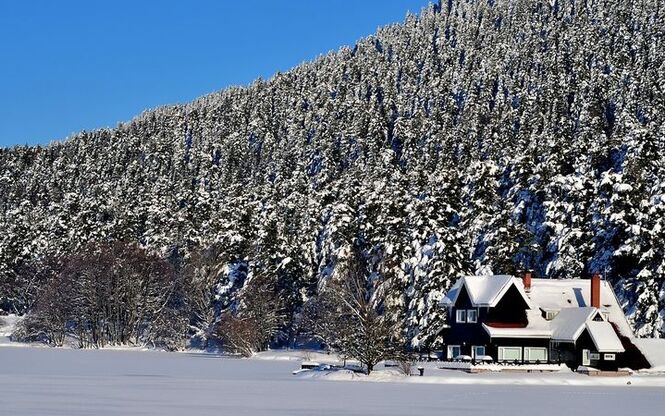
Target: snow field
44, 381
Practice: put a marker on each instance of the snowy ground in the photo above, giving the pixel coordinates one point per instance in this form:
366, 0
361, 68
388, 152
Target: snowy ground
45, 381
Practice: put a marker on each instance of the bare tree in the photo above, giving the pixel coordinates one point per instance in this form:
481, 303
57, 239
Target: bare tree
52, 310
109, 293
405, 364
349, 314
20, 287
257, 319
239, 334
202, 274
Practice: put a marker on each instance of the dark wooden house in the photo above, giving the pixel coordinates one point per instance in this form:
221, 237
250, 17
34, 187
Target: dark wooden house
508, 319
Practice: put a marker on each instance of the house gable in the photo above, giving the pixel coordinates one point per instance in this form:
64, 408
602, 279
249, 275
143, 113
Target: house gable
483, 291
463, 300
510, 309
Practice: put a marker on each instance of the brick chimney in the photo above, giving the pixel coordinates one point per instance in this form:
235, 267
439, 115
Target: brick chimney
595, 290
526, 279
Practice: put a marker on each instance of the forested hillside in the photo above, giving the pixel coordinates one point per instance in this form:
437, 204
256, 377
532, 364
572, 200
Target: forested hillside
481, 136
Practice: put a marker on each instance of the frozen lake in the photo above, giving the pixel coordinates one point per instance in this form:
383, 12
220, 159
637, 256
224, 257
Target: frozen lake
43, 381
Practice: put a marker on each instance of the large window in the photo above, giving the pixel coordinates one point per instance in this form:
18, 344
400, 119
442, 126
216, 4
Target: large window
461, 315
534, 354
454, 351
472, 316
510, 353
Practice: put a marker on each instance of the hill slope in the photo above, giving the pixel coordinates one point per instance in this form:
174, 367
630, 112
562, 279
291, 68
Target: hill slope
479, 136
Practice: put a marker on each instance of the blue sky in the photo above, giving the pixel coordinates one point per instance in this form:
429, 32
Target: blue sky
67, 66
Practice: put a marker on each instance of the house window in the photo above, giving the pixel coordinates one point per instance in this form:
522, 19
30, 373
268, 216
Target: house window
472, 316
467, 315
610, 357
461, 315
477, 351
534, 354
510, 353
454, 351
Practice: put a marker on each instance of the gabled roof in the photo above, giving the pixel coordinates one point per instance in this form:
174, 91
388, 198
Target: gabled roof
568, 325
560, 294
604, 337
484, 290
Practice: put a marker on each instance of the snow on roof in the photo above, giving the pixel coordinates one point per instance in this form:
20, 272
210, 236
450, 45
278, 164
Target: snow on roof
486, 290
450, 297
603, 336
570, 322
483, 290
537, 327
559, 294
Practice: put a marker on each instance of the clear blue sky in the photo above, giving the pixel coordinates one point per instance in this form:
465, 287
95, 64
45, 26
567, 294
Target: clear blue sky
67, 66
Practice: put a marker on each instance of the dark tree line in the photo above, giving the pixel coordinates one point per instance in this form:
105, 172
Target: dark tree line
107, 294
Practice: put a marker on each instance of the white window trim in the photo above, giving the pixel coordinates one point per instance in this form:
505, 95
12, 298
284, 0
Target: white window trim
468, 319
462, 313
586, 357
473, 350
527, 353
501, 353
450, 351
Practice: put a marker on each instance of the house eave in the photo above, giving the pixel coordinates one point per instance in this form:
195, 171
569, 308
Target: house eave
564, 340
515, 336
521, 333
612, 351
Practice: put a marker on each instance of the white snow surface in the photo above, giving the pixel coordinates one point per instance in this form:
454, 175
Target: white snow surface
490, 366
45, 381
570, 322
604, 337
486, 290
654, 351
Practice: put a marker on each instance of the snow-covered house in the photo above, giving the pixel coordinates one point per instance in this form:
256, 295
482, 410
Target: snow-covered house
572, 321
